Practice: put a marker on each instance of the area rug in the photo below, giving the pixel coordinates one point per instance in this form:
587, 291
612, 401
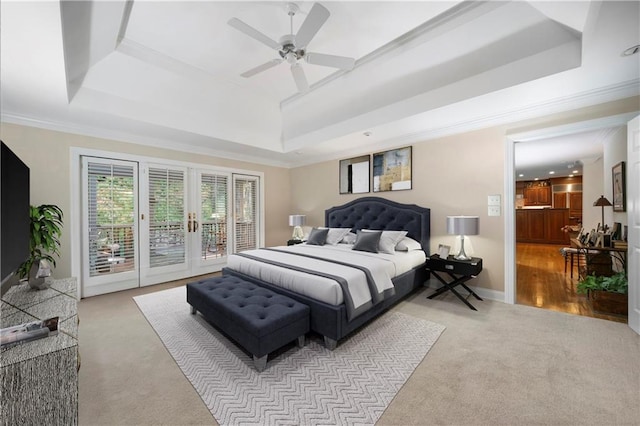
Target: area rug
352, 384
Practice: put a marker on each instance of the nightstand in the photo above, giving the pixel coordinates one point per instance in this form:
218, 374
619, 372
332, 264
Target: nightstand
460, 271
294, 242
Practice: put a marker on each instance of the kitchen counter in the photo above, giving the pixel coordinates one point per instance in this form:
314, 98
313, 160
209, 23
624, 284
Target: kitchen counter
542, 226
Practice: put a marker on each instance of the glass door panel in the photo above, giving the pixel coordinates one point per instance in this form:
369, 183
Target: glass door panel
246, 217
164, 231
110, 254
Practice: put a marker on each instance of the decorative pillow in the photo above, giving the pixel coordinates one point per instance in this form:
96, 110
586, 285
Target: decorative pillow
367, 241
335, 234
408, 244
350, 238
389, 240
318, 237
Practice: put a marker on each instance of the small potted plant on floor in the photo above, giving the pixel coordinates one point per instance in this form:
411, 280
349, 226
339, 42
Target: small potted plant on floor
45, 231
606, 294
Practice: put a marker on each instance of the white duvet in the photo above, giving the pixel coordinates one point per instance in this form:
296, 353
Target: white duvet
383, 268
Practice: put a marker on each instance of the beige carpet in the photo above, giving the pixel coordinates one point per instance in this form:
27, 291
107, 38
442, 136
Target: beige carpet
311, 385
505, 364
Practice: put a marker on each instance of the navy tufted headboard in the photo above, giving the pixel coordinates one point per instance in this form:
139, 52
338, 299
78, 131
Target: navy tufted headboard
380, 213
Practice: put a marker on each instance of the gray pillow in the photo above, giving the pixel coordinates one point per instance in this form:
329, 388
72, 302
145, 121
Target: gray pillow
367, 241
318, 237
388, 240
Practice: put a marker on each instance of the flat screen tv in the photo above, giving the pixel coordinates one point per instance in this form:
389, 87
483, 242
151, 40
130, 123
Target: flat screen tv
14, 216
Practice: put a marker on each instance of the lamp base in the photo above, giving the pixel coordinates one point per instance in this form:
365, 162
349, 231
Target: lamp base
462, 255
298, 234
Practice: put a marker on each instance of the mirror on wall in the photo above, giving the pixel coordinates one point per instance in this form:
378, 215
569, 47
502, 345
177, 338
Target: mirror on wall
354, 175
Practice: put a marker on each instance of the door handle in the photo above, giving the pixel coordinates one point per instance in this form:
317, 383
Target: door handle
195, 223
189, 223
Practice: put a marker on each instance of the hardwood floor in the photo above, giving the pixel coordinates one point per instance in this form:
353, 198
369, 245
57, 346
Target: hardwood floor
542, 282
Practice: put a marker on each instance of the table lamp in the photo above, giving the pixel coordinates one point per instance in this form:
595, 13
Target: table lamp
297, 221
602, 202
462, 225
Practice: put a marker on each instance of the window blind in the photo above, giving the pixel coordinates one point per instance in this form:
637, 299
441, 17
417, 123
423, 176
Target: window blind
111, 208
246, 212
213, 214
166, 217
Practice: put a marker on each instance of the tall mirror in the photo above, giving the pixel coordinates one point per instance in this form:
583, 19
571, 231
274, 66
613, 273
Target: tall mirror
354, 175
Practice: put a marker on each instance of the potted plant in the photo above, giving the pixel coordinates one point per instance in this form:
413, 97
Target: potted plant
607, 294
46, 228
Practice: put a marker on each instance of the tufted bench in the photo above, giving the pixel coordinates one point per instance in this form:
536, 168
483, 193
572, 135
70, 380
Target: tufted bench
258, 319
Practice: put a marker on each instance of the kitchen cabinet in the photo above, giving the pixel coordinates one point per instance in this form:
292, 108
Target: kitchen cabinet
537, 196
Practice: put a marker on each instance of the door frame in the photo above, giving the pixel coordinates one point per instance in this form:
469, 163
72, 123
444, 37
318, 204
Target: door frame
510, 179
75, 182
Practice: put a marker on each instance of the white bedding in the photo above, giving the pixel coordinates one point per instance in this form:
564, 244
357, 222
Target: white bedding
383, 267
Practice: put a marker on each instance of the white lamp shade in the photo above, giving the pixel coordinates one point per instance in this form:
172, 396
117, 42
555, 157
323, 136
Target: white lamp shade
462, 225
296, 219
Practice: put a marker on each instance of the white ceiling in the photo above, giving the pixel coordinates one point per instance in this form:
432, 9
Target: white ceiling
168, 73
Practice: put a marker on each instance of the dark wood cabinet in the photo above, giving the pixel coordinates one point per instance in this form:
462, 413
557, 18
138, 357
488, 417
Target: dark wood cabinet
542, 226
575, 208
537, 196
559, 200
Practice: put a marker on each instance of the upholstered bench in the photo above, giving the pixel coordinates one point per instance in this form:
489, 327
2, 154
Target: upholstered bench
258, 319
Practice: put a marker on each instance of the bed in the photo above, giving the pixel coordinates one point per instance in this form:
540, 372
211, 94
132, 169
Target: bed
335, 321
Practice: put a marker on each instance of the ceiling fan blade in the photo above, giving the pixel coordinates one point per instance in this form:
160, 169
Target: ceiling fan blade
260, 68
253, 33
299, 78
334, 61
318, 15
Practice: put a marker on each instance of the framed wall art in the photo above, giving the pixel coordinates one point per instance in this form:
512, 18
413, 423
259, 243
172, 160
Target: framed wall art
619, 189
354, 175
392, 170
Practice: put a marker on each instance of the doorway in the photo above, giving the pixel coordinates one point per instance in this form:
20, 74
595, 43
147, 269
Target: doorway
513, 267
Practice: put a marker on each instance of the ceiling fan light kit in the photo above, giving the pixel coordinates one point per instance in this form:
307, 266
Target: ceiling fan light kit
291, 48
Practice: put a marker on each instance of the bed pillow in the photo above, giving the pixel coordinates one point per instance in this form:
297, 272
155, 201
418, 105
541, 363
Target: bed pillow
408, 244
335, 235
389, 240
350, 238
367, 241
318, 237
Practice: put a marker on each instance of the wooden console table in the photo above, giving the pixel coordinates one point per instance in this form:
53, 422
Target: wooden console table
39, 379
599, 260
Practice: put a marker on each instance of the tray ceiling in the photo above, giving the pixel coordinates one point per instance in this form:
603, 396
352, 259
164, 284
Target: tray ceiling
168, 73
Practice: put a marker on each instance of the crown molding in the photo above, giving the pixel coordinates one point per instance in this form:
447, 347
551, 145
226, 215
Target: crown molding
557, 105
137, 139
561, 104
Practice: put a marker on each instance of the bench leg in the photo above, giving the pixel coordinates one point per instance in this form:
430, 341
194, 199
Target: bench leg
260, 363
193, 310
301, 341
330, 343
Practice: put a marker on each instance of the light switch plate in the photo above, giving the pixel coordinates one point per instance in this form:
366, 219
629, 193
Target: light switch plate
494, 211
493, 200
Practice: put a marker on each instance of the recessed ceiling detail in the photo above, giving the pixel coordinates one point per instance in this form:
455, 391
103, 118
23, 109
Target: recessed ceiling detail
169, 73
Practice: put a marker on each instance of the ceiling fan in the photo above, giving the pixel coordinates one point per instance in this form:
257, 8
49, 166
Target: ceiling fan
292, 48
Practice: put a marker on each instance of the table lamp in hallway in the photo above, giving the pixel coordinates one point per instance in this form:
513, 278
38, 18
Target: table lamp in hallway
602, 202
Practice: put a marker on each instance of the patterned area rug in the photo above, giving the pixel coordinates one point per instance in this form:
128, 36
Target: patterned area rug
301, 386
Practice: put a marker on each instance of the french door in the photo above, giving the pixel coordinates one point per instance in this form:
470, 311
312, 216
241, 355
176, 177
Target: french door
146, 223
110, 255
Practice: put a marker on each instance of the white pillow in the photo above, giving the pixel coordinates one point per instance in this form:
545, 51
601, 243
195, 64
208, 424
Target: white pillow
407, 244
389, 240
350, 238
336, 235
